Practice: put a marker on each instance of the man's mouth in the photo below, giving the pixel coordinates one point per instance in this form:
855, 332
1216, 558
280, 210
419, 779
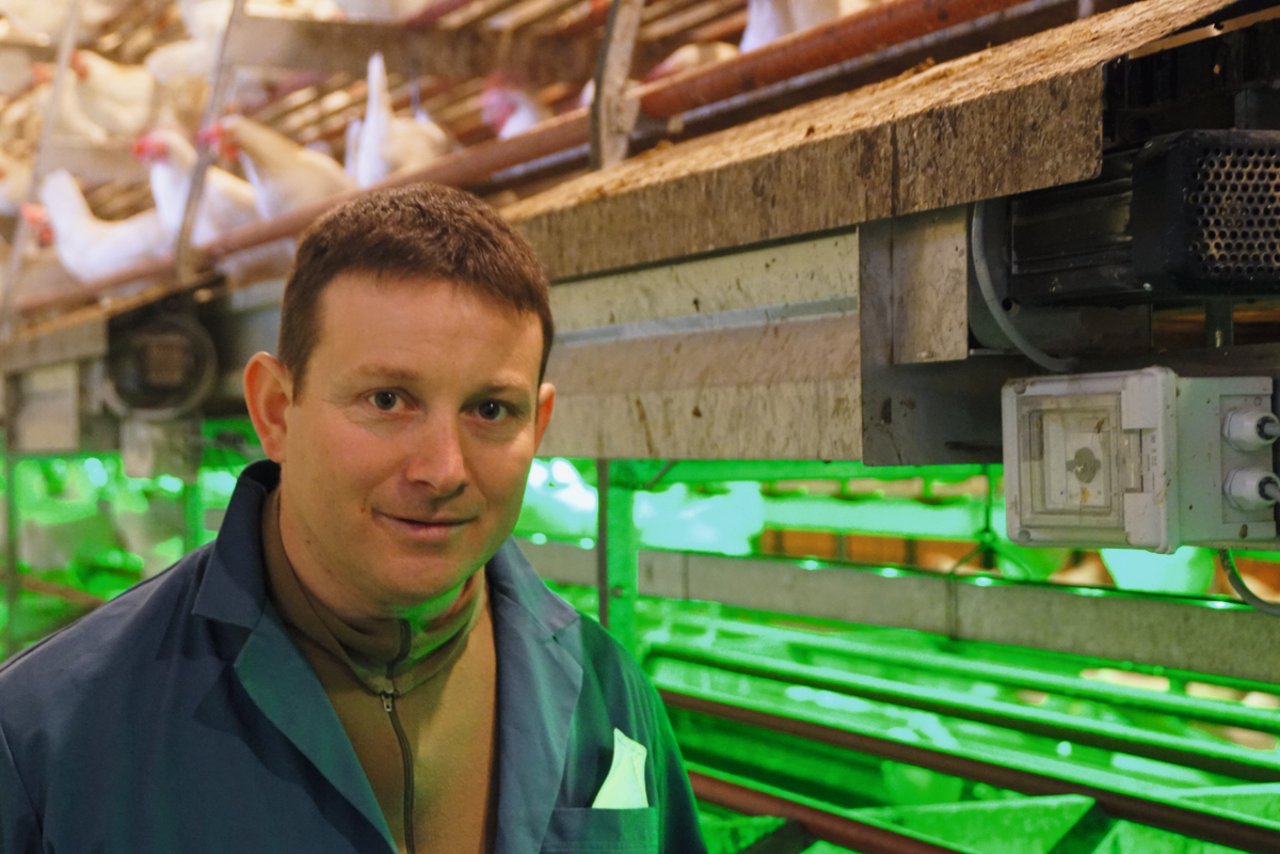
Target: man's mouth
428, 526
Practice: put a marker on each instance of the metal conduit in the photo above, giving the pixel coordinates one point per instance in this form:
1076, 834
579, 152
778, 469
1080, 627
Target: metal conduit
1222, 759
868, 31
433, 13
1169, 814
824, 825
1205, 710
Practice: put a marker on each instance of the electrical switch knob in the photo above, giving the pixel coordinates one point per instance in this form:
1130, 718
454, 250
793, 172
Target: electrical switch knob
1252, 489
1250, 429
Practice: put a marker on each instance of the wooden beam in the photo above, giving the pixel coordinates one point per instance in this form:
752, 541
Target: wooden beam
1013, 118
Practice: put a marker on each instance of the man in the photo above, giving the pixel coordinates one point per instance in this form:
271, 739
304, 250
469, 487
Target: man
362, 660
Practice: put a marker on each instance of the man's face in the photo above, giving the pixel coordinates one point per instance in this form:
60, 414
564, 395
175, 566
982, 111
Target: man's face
405, 456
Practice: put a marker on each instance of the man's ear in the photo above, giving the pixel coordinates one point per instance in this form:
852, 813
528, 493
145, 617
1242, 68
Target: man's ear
546, 403
268, 393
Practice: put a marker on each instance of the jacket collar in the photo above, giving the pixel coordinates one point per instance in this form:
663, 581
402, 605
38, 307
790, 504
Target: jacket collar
269, 665
233, 589
539, 670
539, 679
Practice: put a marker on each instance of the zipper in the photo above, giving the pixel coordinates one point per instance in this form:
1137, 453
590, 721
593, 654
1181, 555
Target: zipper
406, 753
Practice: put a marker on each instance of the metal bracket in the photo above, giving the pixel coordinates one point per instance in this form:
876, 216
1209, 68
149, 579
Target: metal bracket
613, 113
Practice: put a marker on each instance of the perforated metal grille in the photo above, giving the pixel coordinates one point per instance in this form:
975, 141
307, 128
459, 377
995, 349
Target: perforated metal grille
1235, 205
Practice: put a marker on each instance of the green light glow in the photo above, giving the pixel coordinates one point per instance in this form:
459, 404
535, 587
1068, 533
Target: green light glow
87, 528
1189, 570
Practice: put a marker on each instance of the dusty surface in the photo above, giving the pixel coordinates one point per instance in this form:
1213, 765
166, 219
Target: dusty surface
1012, 118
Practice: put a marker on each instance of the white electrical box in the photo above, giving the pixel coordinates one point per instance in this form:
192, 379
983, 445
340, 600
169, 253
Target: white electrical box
1144, 459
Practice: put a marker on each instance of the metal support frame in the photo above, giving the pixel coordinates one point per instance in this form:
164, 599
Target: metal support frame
187, 259
1215, 637
613, 114
617, 554
8, 642
917, 406
48, 130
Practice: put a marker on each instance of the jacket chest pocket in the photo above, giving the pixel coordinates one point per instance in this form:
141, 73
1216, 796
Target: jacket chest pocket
633, 831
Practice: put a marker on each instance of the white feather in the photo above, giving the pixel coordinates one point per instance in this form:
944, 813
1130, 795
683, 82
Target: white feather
90, 248
386, 143
285, 176
119, 98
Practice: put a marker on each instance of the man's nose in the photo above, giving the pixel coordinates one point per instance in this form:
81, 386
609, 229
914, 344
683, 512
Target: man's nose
435, 457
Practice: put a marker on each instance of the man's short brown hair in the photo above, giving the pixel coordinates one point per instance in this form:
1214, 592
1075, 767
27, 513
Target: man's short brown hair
414, 232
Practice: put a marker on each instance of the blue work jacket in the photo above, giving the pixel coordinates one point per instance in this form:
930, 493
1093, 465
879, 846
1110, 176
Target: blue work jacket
181, 717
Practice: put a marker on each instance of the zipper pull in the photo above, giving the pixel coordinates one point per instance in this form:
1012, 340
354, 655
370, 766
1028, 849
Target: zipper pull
387, 697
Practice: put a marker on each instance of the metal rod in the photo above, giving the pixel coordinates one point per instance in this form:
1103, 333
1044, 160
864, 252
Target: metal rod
1171, 815
429, 16
602, 541
613, 114
48, 130
616, 555
828, 826
186, 258
1234, 761
1203, 710
865, 32
11, 579
876, 30
1219, 323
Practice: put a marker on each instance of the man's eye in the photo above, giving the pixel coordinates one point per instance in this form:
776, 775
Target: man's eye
491, 410
384, 400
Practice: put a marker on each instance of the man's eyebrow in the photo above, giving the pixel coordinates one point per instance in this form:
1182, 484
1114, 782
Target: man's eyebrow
504, 389
395, 374
385, 372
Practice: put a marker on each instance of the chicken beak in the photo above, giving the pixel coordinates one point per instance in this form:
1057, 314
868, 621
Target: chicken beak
147, 149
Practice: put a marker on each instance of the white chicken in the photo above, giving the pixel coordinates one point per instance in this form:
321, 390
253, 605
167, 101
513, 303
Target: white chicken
71, 121
508, 110
769, 20
226, 203
386, 143
43, 19
15, 183
285, 176
88, 247
690, 56
118, 98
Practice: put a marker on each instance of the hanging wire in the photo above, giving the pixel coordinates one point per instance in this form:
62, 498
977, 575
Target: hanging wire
1237, 583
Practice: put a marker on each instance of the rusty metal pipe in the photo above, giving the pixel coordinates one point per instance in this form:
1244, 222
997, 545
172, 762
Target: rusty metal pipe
93, 289
433, 13
1226, 829
863, 32
459, 169
828, 826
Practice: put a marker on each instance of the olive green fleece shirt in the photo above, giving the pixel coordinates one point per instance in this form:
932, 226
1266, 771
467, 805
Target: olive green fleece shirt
430, 689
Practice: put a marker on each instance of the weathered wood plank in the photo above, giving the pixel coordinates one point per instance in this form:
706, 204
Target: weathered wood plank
1013, 118
786, 390
809, 271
